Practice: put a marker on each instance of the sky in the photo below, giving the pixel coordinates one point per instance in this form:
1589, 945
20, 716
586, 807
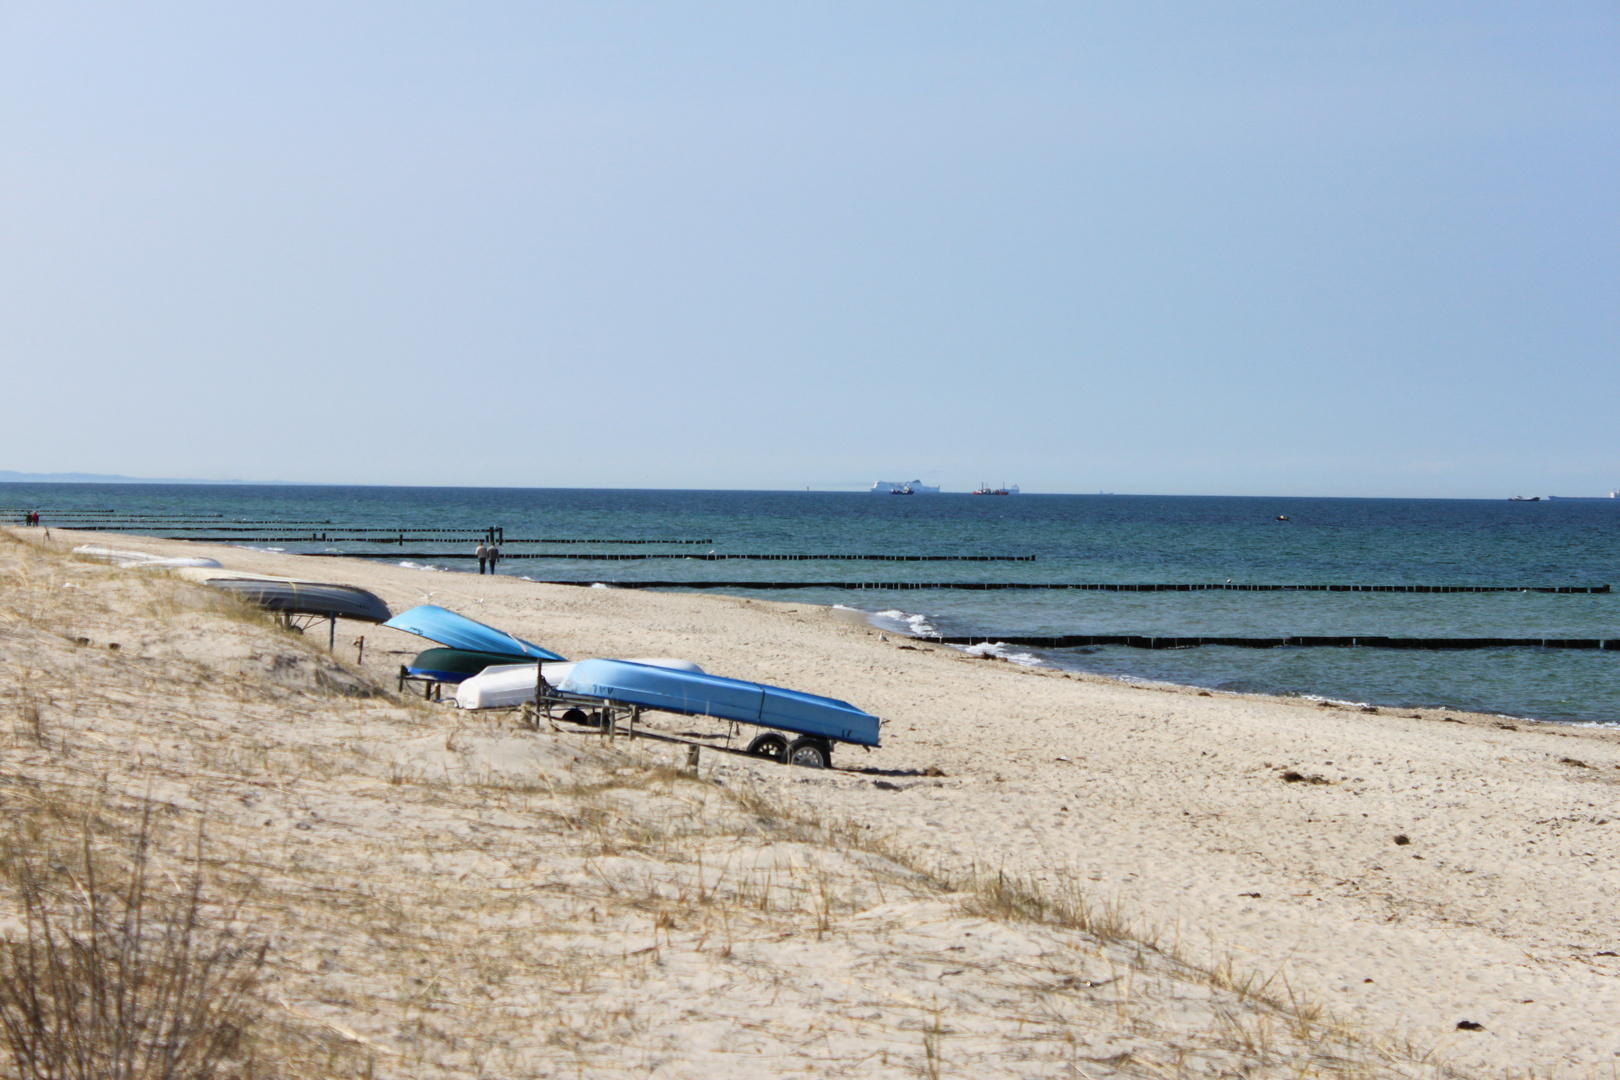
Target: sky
1361, 249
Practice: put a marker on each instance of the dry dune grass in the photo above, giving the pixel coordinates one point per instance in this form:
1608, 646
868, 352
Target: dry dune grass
391, 889
115, 975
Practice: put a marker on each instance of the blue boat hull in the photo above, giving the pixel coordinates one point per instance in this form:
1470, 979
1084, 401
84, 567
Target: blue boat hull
458, 665
696, 694
459, 632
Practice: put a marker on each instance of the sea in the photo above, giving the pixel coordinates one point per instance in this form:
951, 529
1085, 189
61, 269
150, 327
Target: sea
825, 540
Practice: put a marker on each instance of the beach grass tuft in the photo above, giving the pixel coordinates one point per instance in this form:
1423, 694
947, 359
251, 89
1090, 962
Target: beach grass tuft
120, 973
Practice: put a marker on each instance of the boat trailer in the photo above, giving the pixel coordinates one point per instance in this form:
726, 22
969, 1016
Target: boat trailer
569, 712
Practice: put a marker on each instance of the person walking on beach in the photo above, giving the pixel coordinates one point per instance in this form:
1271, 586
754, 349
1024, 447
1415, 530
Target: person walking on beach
483, 556
494, 557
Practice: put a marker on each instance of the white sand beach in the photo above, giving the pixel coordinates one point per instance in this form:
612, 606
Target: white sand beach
1444, 885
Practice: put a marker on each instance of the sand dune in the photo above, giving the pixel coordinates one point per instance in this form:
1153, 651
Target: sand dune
1405, 873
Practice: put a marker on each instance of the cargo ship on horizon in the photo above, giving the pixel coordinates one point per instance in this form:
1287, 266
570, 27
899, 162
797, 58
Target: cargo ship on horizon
906, 487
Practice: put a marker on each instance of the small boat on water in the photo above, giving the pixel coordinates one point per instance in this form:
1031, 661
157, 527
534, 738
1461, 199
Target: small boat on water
903, 489
986, 489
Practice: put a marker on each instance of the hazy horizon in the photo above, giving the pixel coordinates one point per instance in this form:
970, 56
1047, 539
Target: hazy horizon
851, 487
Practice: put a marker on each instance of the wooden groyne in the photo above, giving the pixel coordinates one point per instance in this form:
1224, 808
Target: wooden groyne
989, 586
1137, 641
642, 557
282, 530
446, 536
389, 536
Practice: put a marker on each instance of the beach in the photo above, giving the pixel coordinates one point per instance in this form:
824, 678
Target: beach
1443, 881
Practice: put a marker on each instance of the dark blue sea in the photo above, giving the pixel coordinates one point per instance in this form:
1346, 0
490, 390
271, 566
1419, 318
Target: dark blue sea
1072, 538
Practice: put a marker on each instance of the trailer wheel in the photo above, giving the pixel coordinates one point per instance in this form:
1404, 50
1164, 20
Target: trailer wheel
810, 753
769, 746
581, 717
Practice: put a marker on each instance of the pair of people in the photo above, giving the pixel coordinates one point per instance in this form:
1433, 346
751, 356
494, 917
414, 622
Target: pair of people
33, 517
488, 555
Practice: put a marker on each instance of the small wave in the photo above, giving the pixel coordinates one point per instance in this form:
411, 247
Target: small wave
905, 622
420, 566
600, 585
1321, 700
1001, 651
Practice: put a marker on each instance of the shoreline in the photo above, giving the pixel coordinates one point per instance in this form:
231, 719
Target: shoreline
1017, 654
1440, 713
1411, 869
1031, 657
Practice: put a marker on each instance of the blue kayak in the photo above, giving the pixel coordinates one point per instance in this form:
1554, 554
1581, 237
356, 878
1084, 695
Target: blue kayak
460, 632
697, 694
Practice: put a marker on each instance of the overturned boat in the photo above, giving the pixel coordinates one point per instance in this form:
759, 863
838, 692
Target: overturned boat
459, 632
141, 560
469, 648
456, 666
818, 721
510, 685
314, 598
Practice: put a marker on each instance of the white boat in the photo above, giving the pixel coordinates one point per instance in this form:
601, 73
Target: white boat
896, 487
140, 559
506, 686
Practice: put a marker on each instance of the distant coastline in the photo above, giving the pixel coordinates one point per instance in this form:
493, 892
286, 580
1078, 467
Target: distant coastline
9, 477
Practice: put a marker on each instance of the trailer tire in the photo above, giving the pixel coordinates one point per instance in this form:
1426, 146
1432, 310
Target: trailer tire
769, 746
580, 717
810, 753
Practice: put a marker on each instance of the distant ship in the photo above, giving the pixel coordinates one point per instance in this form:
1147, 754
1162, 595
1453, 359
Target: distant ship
907, 487
1570, 498
986, 489
1526, 498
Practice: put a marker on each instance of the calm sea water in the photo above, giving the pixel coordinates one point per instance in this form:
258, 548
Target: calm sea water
1091, 538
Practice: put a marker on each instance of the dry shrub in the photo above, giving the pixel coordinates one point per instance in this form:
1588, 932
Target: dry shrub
114, 976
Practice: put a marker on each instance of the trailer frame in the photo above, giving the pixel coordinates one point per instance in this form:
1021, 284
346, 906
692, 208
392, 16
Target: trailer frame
603, 716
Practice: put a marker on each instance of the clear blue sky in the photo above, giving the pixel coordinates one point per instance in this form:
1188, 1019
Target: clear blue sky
1318, 249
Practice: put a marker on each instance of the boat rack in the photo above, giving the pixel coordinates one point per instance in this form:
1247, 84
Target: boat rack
611, 719
432, 689
605, 715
